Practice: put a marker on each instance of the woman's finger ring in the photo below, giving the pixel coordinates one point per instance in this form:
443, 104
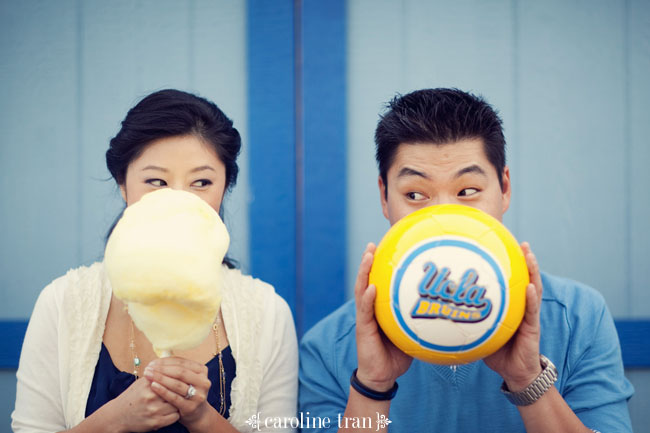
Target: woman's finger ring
191, 391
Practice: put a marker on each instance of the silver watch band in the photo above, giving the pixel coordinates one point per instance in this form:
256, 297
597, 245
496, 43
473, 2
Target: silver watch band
537, 388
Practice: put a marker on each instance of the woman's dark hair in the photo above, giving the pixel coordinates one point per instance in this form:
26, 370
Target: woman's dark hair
439, 116
170, 113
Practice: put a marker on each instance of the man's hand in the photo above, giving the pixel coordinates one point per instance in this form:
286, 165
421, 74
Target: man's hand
517, 362
380, 362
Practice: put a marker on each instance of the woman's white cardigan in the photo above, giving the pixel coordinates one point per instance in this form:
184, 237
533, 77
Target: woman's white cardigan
64, 336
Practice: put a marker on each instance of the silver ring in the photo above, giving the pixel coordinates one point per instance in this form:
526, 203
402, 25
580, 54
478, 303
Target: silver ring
191, 391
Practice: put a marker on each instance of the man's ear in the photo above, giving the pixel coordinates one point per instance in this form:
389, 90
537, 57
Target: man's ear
383, 197
506, 189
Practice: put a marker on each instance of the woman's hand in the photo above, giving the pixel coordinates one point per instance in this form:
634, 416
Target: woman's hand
380, 361
171, 379
139, 409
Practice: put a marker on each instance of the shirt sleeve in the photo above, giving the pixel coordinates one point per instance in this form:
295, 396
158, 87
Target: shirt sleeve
279, 389
322, 397
596, 387
39, 406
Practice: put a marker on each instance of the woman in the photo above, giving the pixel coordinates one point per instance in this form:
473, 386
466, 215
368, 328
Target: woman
84, 367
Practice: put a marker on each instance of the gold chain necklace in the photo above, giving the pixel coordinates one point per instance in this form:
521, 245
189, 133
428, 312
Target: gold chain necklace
217, 353
134, 353
222, 372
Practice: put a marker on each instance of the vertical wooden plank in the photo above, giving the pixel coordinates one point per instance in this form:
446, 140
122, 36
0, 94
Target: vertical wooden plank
271, 120
403, 46
571, 129
131, 49
375, 71
321, 179
638, 127
109, 65
162, 37
639, 406
38, 153
467, 44
464, 44
7, 404
218, 65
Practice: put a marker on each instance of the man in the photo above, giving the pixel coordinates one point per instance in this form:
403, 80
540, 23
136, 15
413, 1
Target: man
445, 146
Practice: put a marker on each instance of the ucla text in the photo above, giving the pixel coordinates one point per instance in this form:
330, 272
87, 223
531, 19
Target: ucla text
442, 298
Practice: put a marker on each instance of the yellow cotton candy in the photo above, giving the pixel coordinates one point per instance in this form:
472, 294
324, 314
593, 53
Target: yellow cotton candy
163, 260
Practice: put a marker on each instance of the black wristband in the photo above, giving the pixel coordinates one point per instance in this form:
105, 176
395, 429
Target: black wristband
371, 393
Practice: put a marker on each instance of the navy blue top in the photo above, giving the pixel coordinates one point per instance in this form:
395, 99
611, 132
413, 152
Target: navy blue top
109, 382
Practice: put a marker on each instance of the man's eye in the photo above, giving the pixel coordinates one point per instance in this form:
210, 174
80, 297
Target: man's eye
467, 192
156, 182
415, 196
202, 183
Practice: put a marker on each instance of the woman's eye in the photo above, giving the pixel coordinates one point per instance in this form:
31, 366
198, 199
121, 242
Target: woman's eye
415, 196
202, 183
156, 182
467, 192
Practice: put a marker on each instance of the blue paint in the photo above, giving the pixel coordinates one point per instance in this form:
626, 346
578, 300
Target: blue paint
322, 212
271, 132
633, 335
13, 333
297, 134
635, 344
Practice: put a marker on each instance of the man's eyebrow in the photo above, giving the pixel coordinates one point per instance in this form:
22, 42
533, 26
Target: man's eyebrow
470, 169
407, 171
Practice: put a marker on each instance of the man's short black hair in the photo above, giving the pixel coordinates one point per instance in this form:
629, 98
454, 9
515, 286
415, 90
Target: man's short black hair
439, 116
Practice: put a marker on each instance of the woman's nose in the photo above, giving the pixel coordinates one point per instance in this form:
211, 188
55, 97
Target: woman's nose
179, 187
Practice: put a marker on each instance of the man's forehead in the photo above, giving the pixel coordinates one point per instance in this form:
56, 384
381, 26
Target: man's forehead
472, 145
427, 159
406, 172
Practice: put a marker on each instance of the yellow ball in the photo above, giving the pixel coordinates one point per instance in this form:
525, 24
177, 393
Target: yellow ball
451, 284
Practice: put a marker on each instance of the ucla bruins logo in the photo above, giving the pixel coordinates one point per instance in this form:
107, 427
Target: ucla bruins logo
454, 292
451, 284
440, 297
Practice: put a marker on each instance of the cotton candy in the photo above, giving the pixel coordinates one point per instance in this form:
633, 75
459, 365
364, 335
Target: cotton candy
163, 261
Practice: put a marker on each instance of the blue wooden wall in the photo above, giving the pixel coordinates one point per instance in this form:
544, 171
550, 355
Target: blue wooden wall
570, 80
569, 77
69, 71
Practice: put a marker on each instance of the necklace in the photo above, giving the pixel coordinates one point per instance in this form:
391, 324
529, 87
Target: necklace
222, 372
217, 353
134, 353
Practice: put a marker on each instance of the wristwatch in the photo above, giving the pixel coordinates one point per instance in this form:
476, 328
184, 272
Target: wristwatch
537, 388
